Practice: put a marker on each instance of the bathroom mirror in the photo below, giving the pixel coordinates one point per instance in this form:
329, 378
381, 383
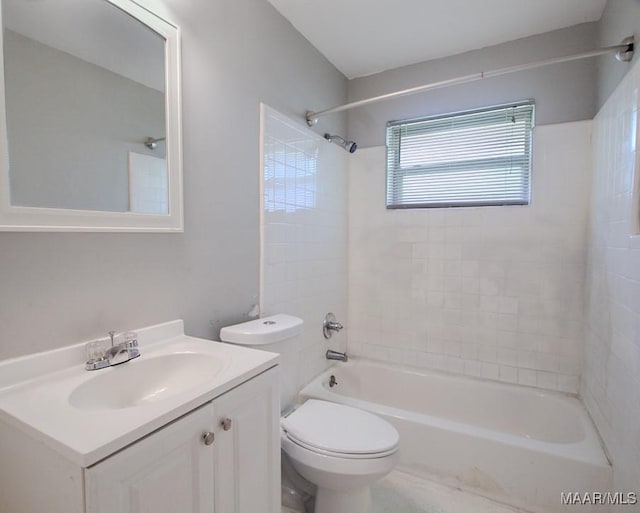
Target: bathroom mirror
90, 135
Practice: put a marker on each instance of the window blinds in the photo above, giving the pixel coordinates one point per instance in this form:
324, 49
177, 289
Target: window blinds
472, 158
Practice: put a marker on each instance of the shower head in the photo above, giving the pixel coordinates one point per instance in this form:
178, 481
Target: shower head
350, 146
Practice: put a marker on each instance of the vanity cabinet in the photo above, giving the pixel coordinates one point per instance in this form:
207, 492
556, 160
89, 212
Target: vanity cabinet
172, 470
247, 447
169, 471
223, 457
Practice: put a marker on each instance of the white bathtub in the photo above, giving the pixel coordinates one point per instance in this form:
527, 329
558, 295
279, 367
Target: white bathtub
517, 445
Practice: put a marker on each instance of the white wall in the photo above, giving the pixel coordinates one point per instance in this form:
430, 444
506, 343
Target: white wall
611, 378
304, 241
495, 292
61, 288
563, 93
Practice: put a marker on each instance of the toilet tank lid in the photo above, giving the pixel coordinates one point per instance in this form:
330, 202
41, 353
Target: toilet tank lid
265, 330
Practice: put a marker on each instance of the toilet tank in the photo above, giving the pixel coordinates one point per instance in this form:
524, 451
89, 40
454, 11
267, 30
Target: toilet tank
266, 331
280, 334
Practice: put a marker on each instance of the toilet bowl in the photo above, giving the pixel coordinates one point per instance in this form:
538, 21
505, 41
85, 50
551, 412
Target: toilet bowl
342, 450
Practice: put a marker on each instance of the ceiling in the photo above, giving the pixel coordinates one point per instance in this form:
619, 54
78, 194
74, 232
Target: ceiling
362, 37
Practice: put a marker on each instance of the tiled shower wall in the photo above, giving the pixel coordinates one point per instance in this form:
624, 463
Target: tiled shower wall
611, 377
493, 292
304, 240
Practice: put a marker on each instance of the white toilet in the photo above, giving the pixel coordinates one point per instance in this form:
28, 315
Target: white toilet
341, 449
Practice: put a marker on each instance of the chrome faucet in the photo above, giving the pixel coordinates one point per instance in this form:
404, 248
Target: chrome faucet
335, 355
116, 354
330, 325
122, 352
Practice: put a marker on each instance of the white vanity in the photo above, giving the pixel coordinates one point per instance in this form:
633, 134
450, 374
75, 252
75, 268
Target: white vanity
191, 426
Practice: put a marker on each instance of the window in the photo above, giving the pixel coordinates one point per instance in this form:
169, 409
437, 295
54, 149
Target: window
473, 158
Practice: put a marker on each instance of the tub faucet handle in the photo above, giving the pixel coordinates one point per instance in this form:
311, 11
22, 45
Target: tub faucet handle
330, 325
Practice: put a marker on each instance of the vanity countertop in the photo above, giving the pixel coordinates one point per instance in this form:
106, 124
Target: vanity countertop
38, 393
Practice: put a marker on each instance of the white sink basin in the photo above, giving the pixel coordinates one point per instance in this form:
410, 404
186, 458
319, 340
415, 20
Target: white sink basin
88, 415
145, 380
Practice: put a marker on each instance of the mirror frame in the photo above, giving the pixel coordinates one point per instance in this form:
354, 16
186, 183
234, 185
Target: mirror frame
36, 219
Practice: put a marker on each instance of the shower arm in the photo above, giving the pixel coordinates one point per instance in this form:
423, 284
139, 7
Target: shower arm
624, 53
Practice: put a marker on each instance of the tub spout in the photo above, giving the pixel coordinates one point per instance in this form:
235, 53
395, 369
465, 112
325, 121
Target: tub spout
335, 355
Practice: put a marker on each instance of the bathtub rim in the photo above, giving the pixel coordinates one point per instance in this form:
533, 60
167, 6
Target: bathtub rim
590, 449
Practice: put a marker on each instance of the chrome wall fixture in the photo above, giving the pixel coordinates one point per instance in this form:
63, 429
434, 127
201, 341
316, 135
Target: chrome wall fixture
330, 325
623, 52
336, 355
152, 143
350, 146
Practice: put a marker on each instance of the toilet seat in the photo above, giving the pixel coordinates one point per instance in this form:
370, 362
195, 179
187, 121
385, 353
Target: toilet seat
340, 454
340, 431
338, 465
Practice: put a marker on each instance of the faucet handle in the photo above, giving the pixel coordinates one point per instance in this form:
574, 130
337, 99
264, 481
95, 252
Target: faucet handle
330, 325
111, 335
131, 344
96, 349
96, 354
131, 339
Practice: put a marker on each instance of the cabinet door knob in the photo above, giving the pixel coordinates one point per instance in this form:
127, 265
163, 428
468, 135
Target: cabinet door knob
226, 424
208, 438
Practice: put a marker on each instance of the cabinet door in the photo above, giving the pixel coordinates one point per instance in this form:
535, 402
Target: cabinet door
170, 471
248, 450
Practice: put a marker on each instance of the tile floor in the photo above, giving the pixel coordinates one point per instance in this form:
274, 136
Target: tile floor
403, 493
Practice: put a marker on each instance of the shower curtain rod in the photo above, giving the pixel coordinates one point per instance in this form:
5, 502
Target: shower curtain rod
623, 51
